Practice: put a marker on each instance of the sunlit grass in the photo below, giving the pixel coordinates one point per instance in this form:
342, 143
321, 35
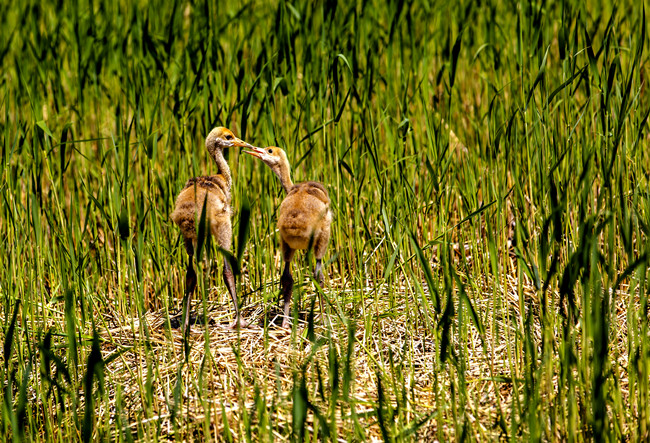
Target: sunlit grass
488, 170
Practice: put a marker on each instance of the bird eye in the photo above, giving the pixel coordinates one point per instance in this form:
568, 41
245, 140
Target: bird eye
228, 137
270, 151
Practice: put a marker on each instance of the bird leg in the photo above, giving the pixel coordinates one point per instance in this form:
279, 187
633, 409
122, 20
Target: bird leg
190, 285
320, 278
286, 281
318, 271
229, 280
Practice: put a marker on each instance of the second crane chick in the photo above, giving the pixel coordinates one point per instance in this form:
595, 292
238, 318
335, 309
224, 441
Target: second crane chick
304, 219
214, 192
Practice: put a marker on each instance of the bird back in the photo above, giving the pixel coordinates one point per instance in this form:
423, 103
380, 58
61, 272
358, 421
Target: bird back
212, 189
304, 213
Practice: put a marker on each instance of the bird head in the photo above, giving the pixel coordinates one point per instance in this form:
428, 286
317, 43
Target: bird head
220, 138
273, 156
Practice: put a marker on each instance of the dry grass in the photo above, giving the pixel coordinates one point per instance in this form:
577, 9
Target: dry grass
224, 367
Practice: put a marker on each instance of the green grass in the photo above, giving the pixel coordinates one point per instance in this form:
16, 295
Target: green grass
487, 273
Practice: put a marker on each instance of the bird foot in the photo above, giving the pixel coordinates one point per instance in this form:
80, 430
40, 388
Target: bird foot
286, 324
239, 323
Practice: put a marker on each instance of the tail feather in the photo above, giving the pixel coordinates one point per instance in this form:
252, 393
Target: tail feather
186, 224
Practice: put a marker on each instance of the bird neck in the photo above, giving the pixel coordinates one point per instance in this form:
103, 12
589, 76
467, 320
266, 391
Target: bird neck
223, 167
284, 174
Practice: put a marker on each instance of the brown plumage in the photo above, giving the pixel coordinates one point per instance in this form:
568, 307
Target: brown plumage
304, 219
213, 191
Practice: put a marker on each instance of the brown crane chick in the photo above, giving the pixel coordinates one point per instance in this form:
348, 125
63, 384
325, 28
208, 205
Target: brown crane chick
214, 192
304, 219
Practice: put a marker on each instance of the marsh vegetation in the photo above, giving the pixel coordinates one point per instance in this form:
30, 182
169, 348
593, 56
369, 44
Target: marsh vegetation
487, 165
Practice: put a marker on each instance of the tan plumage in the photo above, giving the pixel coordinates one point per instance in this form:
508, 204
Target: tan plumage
213, 192
190, 201
304, 219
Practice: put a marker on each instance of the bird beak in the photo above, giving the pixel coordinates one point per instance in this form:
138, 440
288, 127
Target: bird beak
241, 143
256, 152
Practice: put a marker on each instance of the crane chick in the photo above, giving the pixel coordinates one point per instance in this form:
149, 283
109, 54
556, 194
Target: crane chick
304, 219
213, 192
